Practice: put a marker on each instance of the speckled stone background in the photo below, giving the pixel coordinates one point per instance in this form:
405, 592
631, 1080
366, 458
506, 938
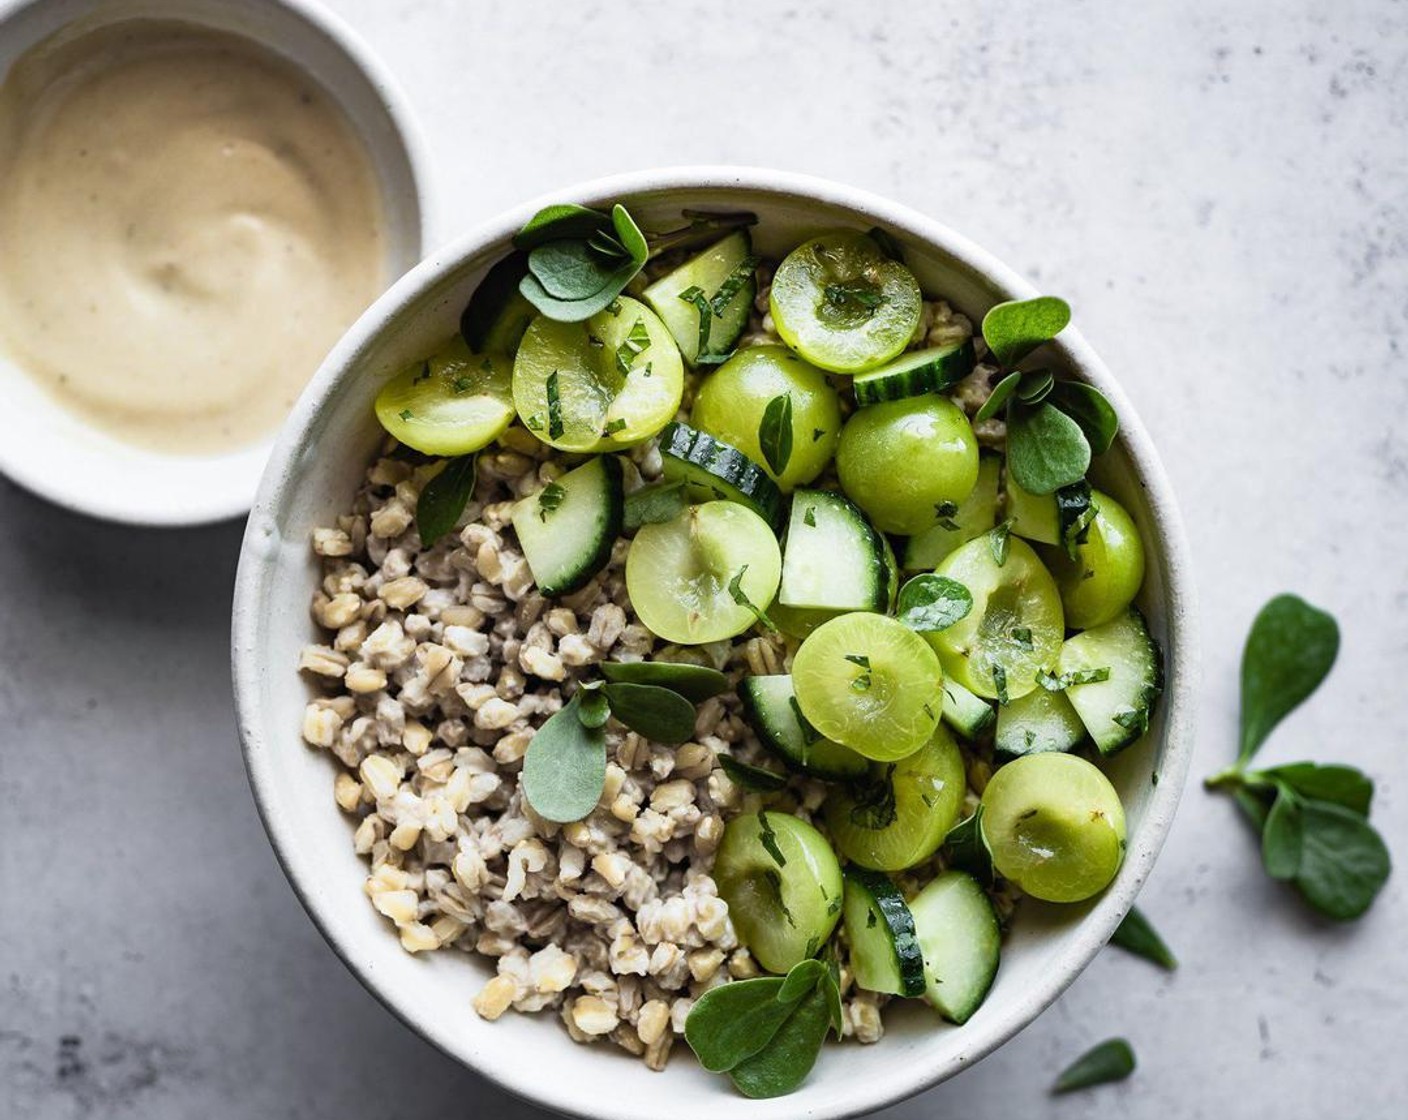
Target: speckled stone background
1221, 191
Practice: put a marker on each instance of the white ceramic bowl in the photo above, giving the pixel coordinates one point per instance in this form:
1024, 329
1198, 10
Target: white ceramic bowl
55, 453
317, 465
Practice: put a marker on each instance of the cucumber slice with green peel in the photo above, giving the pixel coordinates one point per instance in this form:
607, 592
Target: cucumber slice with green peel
870, 683
833, 559
709, 298
899, 817
1115, 711
915, 373
1103, 572
782, 884
971, 716
1038, 721
885, 953
608, 382
770, 706
1015, 628
498, 313
842, 304
975, 515
716, 471
567, 529
1058, 518
451, 403
703, 576
961, 942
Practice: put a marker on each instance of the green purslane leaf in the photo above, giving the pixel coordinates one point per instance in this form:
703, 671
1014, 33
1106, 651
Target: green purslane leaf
1112, 1060
571, 270
1087, 406
784, 1063
998, 397
565, 220
1014, 329
579, 259
489, 298
696, 683
1341, 785
930, 603
1138, 936
1343, 861
592, 708
654, 504
775, 433
571, 311
1034, 387
1290, 650
1046, 449
564, 769
443, 499
649, 710
729, 1024
801, 979
1282, 836
753, 778
629, 234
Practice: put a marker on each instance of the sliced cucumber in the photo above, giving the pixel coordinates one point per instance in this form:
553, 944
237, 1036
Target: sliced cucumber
451, 403
975, 515
833, 559
968, 714
771, 708
721, 279
885, 953
715, 471
1056, 518
1038, 721
916, 373
1115, 711
498, 313
567, 528
959, 936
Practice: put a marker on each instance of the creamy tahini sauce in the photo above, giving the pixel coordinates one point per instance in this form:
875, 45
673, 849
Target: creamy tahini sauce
187, 224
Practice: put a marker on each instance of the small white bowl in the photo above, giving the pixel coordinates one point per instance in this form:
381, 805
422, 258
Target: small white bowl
55, 453
316, 467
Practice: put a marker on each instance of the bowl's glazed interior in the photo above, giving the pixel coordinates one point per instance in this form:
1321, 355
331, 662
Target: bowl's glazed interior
318, 464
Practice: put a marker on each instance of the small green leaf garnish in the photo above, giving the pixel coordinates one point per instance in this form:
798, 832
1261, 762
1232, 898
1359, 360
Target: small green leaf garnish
443, 499
406, 414
739, 596
564, 769
999, 683
592, 708
858, 659
1021, 636
694, 295
873, 801
1136, 935
613, 426
696, 683
1035, 386
634, 344
1014, 329
997, 398
775, 433
1046, 449
767, 836
733, 284
555, 424
809, 517
930, 603
730, 1023
1112, 1060
549, 498
659, 714
748, 777
651, 505
1087, 406
999, 540
1313, 820
1058, 683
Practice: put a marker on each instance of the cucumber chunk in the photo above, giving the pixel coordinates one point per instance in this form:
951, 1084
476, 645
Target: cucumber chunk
723, 277
771, 708
1116, 711
451, 403
961, 942
971, 716
782, 884
885, 953
900, 816
1059, 518
715, 471
568, 527
975, 515
1038, 721
916, 373
833, 559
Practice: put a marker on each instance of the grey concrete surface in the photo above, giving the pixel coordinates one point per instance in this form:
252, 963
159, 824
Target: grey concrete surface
1219, 189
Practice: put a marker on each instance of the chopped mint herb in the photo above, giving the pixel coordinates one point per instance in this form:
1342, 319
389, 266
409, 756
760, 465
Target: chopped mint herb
775, 433
695, 296
862, 681
809, 517
733, 284
534, 423
1022, 636
858, 659
1054, 683
612, 427
817, 433
999, 683
405, 414
1132, 720
767, 836
735, 589
555, 425
999, 540
549, 498
633, 345
874, 802
945, 512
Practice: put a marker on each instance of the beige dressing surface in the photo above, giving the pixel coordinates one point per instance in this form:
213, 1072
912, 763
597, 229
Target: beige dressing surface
187, 224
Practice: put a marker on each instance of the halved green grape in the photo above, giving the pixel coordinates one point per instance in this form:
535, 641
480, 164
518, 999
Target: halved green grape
843, 304
871, 683
905, 462
782, 884
1015, 628
1055, 826
691, 580
451, 403
598, 385
901, 815
732, 400
1108, 568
